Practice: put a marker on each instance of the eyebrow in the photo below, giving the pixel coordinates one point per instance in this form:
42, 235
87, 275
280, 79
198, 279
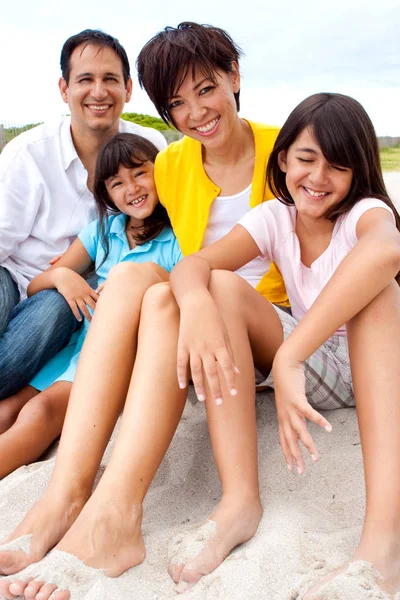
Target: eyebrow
89, 74
309, 150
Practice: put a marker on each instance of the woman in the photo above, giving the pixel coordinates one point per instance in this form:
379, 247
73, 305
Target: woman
207, 181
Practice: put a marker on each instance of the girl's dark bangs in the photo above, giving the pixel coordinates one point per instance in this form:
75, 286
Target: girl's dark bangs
332, 137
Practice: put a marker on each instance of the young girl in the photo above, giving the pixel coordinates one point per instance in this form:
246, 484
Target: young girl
132, 227
334, 235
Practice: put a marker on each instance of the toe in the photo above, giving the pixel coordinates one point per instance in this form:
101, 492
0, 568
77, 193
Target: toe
5, 590
45, 592
17, 587
175, 571
32, 589
60, 595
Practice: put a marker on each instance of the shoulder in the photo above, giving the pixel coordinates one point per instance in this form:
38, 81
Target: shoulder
264, 134
182, 150
154, 136
27, 142
352, 217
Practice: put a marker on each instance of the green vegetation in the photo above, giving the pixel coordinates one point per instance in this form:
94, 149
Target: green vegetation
390, 158
12, 132
146, 121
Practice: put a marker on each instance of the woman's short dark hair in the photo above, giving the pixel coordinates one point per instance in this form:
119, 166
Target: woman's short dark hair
347, 138
131, 151
165, 60
94, 37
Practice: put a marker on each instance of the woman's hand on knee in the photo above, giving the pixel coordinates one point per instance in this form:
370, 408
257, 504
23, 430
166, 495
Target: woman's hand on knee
204, 346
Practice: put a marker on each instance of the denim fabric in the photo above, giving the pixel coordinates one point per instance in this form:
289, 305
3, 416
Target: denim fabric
40, 326
9, 297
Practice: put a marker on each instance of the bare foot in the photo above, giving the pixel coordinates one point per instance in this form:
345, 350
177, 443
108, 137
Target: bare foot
105, 539
357, 579
199, 554
44, 525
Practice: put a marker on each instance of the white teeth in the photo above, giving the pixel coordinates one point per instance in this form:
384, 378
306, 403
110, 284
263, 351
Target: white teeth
315, 194
97, 107
138, 200
209, 127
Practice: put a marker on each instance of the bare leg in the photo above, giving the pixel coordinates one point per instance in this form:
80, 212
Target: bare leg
107, 534
374, 343
38, 424
254, 329
10, 407
97, 397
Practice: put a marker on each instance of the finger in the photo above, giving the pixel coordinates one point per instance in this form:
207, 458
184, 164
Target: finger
285, 449
292, 441
226, 364
100, 288
84, 309
313, 415
196, 369
55, 259
212, 375
93, 294
306, 438
182, 364
75, 310
90, 302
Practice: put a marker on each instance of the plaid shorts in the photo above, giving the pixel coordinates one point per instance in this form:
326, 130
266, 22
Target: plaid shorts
327, 371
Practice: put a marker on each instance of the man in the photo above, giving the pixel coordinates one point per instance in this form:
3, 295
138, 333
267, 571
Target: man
46, 179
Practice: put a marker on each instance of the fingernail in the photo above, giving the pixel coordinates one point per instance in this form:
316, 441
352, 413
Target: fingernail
182, 385
236, 370
328, 427
289, 467
218, 401
314, 457
201, 397
233, 392
299, 470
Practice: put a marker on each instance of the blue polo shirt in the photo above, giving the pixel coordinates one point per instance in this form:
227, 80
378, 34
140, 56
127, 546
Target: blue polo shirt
163, 250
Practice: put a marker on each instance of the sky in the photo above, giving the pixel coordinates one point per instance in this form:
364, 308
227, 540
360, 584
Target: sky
292, 49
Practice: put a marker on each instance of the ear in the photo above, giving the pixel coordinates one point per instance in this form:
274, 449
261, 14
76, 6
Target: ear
235, 77
128, 90
282, 161
63, 87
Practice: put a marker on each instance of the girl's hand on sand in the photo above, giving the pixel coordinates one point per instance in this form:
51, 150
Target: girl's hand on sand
293, 409
204, 346
76, 291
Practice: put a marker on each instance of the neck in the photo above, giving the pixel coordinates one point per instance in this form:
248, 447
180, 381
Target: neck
313, 227
239, 143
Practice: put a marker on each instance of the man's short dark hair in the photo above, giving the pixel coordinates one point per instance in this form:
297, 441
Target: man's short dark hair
165, 60
96, 38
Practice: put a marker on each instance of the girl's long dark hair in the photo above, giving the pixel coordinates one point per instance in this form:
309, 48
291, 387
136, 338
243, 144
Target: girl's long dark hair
130, 151
347, 138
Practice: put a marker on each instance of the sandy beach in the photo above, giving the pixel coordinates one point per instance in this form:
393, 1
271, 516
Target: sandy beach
311, 523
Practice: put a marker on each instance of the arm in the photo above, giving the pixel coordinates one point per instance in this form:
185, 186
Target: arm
65, 277
205, 343
363, 274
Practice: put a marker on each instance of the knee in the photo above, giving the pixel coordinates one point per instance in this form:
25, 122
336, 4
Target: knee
42, 407
227, 288
130, 273
159, 298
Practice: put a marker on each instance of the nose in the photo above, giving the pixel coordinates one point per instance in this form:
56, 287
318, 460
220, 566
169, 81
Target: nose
99, 90
197, 112
132, 188
319, 173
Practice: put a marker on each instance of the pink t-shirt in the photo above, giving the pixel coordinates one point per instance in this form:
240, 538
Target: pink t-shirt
272, 226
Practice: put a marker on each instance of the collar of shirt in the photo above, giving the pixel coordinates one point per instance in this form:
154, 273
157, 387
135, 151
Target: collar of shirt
68, 150
117, 228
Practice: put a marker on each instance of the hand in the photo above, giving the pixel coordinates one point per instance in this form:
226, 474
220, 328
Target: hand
204, 344
54, 260
100, 288
76, 291
293, 409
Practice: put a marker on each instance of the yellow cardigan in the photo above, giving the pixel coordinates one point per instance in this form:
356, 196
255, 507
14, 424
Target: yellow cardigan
187, 193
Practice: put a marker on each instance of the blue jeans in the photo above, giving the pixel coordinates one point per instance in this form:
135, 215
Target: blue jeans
9, 297
39, 327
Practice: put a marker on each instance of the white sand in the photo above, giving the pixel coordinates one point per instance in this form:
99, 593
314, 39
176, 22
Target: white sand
311, 523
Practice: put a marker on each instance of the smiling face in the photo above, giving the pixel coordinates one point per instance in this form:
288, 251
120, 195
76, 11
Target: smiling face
96, 91
314, 184
206, 110
133, 192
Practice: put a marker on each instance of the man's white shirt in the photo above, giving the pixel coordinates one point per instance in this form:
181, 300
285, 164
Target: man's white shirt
44, 198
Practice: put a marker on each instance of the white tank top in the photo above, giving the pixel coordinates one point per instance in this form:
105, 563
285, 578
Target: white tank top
225, 212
